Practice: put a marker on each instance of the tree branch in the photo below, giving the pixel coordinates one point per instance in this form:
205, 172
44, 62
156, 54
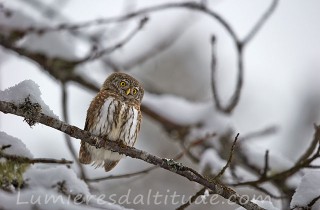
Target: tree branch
282, 176
145, 171
260, 22
98, 54
202, 190
168, 164
64, 73
21, 159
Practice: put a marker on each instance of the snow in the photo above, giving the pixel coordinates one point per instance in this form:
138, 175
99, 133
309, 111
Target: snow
17, 146
205, 195
266, 204
256, 156
53, 44
42, 190
308, 189
176, 109
185, 112
210, 158
51, 176
16, 20
47, 199
19, 92
42, 187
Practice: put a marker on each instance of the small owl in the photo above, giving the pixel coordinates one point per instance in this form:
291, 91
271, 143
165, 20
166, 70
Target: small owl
114, 114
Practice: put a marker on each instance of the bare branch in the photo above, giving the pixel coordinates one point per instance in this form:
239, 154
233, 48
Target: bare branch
260, 22
145, 171
158, 48
266, 164
261, 189
141, 12
311, 148
21, 159
313, 201
184, 5
260, 133
282, 176
168, 164
229, 159
202, 191
192, 199
240, 45
98, 54
64, 73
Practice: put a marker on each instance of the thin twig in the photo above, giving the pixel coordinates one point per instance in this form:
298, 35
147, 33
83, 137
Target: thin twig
310, 149
260, 22
184, 5
313, 201
240, 45
21, 159
291, 171
266, 164
158, 48
229, 159
141, 12
70, 146
259, 133
3, 147
128, 175
192, 199
95, 55
170, 165
261, 189
202, 190
63, 76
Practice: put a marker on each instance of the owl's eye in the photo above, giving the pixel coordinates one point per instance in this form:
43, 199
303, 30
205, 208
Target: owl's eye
123, 83
134, 91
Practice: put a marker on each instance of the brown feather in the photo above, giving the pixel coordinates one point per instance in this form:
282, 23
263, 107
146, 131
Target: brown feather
110, 164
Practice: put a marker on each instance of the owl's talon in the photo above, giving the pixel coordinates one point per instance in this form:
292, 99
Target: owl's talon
121, 144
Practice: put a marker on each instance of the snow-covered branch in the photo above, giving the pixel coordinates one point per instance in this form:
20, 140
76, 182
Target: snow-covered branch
31, 114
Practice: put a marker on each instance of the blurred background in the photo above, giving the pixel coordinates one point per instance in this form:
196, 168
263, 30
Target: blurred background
171, 56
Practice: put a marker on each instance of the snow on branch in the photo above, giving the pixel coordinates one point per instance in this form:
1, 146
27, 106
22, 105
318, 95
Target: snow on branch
31, 113
307, 193
26, 89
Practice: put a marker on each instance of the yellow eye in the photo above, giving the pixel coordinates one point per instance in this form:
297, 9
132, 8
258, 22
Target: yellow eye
123, 83
134, 91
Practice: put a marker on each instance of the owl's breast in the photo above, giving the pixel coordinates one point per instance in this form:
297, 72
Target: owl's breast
117, 120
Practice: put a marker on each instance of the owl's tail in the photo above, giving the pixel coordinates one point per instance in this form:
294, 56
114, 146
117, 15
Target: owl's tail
110, 164
84, 154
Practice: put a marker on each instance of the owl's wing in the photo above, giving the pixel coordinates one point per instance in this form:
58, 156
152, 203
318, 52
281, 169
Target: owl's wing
93, 111
84, 154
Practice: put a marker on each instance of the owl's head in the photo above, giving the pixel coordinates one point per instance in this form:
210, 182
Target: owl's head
125, 86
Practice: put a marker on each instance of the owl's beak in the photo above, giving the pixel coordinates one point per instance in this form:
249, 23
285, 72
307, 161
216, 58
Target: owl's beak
128, 91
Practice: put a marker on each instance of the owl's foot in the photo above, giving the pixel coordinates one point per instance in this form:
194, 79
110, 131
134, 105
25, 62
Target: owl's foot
122, 144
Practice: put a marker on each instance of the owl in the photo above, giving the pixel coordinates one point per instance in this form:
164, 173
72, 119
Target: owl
114, 114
